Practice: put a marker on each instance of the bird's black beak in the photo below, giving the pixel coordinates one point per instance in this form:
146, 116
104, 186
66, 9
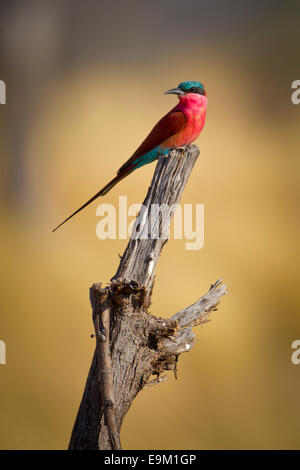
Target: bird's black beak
174, 91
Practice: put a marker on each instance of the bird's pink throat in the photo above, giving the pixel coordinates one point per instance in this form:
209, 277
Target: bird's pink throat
192, 101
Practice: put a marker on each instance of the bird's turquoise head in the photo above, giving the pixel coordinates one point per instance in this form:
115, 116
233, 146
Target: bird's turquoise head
187, 87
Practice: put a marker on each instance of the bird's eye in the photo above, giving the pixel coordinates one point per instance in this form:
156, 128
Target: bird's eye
192, 90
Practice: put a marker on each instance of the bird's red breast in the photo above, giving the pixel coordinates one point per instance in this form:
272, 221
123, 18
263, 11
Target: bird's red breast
193, 107
181, 126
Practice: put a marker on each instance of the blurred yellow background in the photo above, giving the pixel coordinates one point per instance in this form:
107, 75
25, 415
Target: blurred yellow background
79, 102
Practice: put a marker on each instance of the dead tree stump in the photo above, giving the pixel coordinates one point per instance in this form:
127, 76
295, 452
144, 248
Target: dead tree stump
134, 348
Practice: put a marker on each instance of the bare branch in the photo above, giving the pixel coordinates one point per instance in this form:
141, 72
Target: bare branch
194, 315
169, 180
132, 345
101, 319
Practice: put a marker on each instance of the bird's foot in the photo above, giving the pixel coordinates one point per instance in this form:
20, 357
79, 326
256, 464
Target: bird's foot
181, 149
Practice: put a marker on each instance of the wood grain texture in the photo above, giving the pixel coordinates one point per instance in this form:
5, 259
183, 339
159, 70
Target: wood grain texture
141, 255
141, 346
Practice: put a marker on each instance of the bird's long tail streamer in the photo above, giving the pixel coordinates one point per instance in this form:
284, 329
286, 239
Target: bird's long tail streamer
102, 192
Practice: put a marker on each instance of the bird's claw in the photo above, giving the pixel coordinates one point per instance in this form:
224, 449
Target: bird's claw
181, 149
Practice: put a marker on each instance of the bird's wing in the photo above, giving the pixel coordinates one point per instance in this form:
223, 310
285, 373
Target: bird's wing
166, 127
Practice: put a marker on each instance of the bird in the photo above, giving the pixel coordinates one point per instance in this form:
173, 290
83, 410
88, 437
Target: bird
178, 128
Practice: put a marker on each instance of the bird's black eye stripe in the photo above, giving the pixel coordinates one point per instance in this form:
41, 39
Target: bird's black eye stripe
198, 90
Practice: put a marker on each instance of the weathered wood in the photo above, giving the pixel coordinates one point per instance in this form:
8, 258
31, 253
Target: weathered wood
101, 319
140, 345
141, 255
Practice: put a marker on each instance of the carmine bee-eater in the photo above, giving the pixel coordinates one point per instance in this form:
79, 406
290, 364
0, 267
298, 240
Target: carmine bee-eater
181, 126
